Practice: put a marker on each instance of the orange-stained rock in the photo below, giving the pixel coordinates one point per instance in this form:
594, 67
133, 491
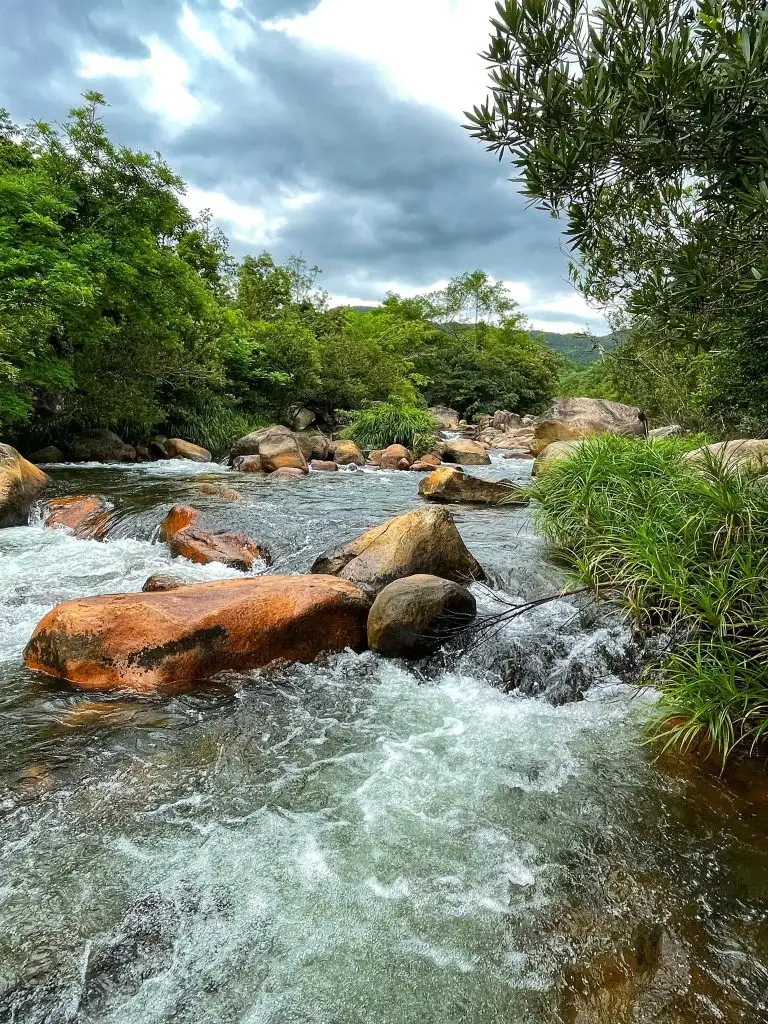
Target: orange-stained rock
180, 449
160, 583
219, 491
392, 457
187, 538
288, 473
281, 451
375, 456
148, 643
465, 452
346, 453
86, 516
423, 541
323, 466
247, 464
21, 483
450, 484
431, 460
420, 466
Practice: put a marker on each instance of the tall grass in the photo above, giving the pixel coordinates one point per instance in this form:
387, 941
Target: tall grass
216, 427
384, 424
685, 550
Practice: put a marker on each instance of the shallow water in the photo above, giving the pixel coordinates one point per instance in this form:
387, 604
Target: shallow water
358, 840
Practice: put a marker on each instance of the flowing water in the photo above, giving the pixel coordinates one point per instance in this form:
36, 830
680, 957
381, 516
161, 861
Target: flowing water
477, 838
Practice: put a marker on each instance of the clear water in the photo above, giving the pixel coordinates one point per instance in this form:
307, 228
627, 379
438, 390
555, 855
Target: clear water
358, 840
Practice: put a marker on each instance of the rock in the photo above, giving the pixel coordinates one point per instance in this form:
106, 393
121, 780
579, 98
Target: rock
322, 466
100, 446
247, 464
179, 449
422, 467
503, 420
673, 430
423, 541
346, 453
300, 417
392, 457
374, 457
448, 419
49, 454
555, 452
85, 516
21, 483
428, 460
571, 418
313, 446
288, 473
413, 616
157, 448
518, 455
403, 465
465, 452
281, 451
747, 454
143, 454
186, 538
148, 643
160, 584
218, 491
249, 445
449, 484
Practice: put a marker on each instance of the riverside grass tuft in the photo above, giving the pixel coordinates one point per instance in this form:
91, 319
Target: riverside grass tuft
384, 424
684, 549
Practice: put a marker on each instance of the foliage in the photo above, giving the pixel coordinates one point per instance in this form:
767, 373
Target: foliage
643, 125
684, 550
384, 424
581, 349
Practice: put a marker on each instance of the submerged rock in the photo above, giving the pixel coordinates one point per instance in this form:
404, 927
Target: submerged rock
413, 616
465, 452
157, 642
188, 539
180, 449
422, 541
452, 485
86, 516
219, 491
21, 483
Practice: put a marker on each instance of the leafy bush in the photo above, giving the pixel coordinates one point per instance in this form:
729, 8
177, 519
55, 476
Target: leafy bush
384, 424
682, 549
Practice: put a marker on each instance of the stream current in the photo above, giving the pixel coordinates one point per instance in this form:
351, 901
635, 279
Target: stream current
477, 838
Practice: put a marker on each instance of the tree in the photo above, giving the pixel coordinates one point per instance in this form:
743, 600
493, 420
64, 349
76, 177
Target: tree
468, 302
642, 124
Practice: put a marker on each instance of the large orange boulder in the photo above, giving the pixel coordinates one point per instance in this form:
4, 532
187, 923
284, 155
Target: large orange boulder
449, 483
21, 483
423, 541
464, 452
394, 456
281, 451
161, 642
187, 538
180, 449
85, 516
346, 453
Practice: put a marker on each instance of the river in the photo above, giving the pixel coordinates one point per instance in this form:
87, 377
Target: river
359, 841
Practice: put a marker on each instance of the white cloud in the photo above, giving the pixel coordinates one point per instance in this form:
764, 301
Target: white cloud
428, 49
233, 33
161, 80
257, 226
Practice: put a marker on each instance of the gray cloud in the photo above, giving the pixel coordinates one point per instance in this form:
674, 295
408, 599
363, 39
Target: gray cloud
406, 194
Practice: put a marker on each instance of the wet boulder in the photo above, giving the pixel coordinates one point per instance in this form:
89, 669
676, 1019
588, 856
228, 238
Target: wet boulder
555, 452
281, 451
219, 491
426, 462
412, 617
159, 642
180, 449
423, 541
323, 466
188, 539
247, 464
46, 455
85, 516
160, 584
394, 456
100, 446
21, 483
346, 453
452, 484
465, 452
288, 473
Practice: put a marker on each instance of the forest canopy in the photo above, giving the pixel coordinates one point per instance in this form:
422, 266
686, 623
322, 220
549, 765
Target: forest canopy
120, 310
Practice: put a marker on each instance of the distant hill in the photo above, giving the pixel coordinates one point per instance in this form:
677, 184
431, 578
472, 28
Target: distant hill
576, 348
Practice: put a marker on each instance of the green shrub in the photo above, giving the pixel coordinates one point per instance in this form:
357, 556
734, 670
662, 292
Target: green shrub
384, 424
683, 550
216, 427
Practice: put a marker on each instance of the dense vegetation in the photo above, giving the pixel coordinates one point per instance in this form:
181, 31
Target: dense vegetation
643, 125
120, 310
683, 550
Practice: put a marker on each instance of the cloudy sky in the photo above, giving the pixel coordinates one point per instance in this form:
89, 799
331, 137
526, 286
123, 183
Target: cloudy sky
326, 127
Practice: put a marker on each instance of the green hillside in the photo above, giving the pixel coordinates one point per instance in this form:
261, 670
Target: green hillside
577, 348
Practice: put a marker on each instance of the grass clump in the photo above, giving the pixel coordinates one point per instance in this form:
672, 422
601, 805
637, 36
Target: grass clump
384, 424
684, 550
